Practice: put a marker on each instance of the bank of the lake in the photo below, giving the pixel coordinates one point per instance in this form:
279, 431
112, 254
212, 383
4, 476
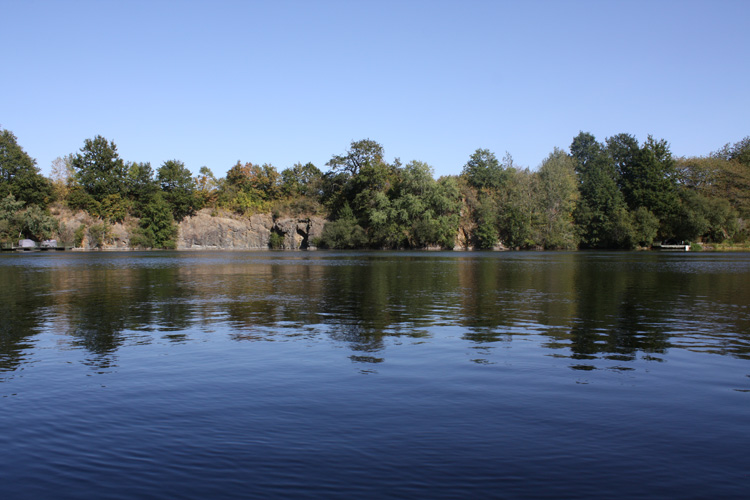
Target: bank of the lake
221, 230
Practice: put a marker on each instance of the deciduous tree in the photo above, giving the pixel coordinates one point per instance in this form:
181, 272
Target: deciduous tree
178, 186
19, 175
99, 169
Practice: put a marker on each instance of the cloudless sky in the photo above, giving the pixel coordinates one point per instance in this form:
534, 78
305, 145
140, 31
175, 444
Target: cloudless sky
280, 82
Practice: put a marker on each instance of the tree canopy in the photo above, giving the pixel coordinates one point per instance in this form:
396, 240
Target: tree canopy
615, 193
19, 175
99, 169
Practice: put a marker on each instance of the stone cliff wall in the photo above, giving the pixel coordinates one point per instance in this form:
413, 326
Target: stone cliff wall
227, 232
224, 231
203, 231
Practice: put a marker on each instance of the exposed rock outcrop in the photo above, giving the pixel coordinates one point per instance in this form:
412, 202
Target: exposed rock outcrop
299, 233
204, 231
227, 232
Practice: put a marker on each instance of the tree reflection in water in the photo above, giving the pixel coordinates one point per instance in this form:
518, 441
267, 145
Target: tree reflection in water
585, 306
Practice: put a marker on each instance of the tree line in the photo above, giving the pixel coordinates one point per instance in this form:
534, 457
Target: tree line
617, 193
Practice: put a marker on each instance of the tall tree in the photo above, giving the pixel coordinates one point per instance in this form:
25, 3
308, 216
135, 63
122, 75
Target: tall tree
739, 152
157, 228
484, 170
646, 175
142, 186
19, 175
734, 174
601, 214
207, 185
99, 169
360, 154
301, 180
559, 195
178, 186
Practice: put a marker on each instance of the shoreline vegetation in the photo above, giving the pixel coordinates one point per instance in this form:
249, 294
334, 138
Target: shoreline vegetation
614, 194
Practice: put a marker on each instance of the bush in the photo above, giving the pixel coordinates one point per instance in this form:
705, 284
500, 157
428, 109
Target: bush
645, 227
113, 208
98, 233
78, 236
276, 241
78, 199
344, 233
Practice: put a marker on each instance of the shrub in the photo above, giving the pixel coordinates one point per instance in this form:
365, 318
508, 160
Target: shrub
276, 241
98, 233
78, 236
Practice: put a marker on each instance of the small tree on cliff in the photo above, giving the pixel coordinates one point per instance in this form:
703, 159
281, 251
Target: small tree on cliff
157, 228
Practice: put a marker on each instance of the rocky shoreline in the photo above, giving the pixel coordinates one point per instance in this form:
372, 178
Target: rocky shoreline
206, 230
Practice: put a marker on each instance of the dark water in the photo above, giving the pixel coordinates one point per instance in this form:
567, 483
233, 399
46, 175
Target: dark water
383, 375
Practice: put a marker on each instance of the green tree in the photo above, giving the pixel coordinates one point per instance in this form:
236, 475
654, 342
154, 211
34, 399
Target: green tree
301, 180
520, 207
486, 235
645, 227
559, 196
703, 218
157, 227
733, 180
484, 171
739, 152
360, 154
141, 185
99, 170
99, 233
344, 232
19, 175
179, 190
10, 223
601, 212
37, 224
207, 186
646, 175
446, 204
113, 208
249, 188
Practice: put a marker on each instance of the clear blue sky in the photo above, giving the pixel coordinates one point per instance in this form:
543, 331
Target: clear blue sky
279, 82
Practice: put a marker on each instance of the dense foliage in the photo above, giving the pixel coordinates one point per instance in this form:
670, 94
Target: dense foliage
616, 193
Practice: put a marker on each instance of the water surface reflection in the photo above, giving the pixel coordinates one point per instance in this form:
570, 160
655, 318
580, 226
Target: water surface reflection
585, 307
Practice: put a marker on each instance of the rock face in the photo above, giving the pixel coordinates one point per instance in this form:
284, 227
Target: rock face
299, 233
225, 232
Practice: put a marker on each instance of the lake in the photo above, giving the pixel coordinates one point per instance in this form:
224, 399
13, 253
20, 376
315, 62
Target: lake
374, 375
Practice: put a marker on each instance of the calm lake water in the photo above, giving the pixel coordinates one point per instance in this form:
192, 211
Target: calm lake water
374, 375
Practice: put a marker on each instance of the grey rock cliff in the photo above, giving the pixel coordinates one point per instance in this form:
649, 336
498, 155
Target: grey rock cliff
227, 232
